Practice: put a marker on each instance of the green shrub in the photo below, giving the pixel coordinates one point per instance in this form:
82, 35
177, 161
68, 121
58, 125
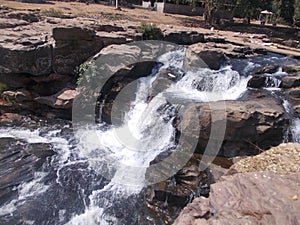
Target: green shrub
3, 87
150, 31
86, 71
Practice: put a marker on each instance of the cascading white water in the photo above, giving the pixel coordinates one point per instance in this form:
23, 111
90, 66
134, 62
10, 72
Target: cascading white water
151, 133
295, 128
105, 150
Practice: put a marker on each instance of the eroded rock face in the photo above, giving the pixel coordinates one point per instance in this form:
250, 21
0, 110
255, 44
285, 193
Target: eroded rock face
250, 198
252, 125
22, 59
18, 163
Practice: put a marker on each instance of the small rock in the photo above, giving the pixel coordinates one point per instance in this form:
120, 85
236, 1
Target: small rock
257, 81
60, 100
267, 69
18, 96
290, 82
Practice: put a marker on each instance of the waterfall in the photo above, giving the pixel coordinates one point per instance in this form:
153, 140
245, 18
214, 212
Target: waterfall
71, 189
150, 125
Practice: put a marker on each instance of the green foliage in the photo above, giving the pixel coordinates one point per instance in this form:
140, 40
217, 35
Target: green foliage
282, 9
3, 87
86, 71
150, 31
296, 17
287, 10
249, 8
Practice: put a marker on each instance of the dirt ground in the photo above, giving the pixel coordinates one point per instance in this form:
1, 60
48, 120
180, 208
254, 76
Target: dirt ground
236, 32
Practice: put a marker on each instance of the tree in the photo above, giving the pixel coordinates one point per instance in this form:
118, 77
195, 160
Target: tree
287, 10
296, 17
249, 9
214, 9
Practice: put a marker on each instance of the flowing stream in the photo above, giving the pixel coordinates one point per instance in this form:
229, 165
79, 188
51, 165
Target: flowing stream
69, 187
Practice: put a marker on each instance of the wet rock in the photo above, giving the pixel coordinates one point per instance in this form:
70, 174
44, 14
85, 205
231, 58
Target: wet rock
269, 69
243, 50
294, 94
260, 51
291, 43
297, 110
10, 119
18, 163
250, 125
291, 69
213, 59
211, 55
228, 203
290, 82
164, 79
257, 81
117, 83
73, 33
111, 38
60, 100
192, 180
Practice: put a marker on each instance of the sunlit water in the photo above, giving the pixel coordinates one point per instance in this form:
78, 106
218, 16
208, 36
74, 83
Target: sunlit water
71, 190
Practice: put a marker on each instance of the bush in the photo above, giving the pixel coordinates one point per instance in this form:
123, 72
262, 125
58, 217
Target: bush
150, 31
86, 71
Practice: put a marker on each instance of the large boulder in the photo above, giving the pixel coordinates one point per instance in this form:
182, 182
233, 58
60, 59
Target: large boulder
210, 54
251, 126
237, 199
35, 60
247, 198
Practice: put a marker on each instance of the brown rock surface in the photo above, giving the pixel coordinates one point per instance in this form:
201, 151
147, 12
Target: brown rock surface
247, 198
290, 81
60, 100
252, 125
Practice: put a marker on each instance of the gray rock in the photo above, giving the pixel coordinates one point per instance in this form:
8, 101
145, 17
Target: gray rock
182, 37
32, 60
18, 163
290, 81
